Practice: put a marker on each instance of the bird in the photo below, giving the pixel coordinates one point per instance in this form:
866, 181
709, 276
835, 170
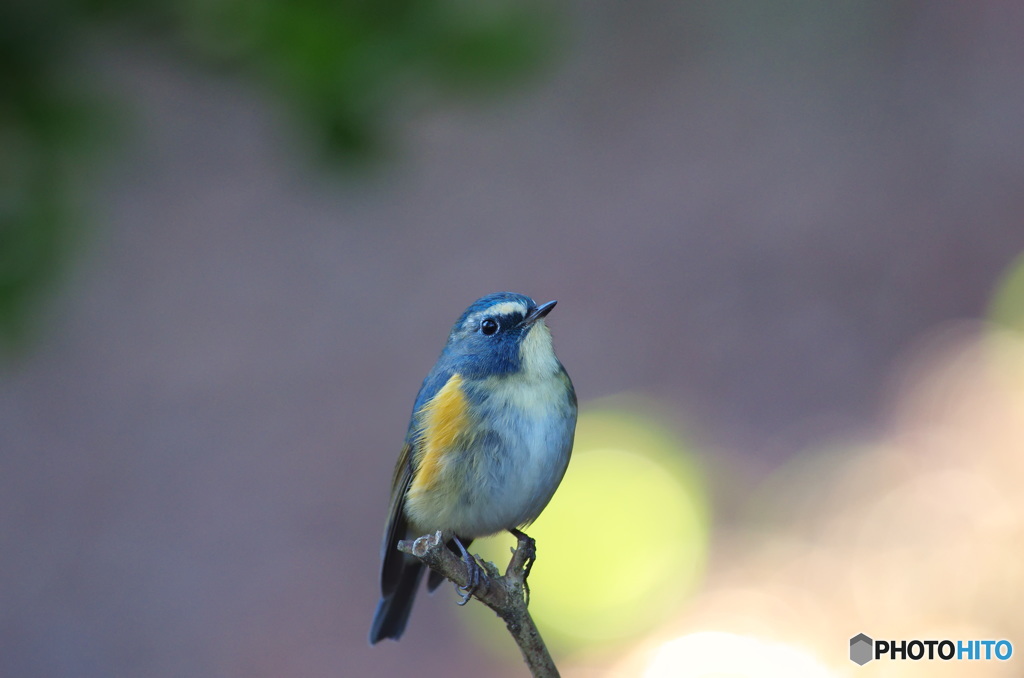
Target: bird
487, 445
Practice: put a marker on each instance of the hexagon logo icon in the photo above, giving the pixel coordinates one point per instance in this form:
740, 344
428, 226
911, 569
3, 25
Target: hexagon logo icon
861, 649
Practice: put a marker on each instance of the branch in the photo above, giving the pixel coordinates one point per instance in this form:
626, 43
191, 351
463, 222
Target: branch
507, 595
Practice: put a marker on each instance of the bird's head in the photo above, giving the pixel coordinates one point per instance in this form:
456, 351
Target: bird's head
502, 333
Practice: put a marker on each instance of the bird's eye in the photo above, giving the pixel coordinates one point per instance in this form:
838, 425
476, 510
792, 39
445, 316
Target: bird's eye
489, 326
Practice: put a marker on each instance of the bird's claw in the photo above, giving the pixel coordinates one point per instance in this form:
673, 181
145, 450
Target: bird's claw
475, 573
528, 545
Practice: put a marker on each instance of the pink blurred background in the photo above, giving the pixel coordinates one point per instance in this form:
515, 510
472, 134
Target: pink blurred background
750, 218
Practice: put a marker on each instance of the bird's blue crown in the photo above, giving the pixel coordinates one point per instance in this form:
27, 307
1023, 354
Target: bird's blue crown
485, 340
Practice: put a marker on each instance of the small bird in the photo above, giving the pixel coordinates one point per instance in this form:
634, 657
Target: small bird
489, 441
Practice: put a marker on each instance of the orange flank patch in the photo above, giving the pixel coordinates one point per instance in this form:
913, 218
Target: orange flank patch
443, 419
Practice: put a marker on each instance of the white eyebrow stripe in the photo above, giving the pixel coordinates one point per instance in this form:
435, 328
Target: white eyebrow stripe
505, 308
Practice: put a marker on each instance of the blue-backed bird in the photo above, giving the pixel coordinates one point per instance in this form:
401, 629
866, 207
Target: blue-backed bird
488, 443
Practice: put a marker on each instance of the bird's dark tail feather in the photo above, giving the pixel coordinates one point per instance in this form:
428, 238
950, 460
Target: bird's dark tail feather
394, 608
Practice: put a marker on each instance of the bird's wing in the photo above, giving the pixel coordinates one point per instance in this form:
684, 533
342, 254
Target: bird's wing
391, 557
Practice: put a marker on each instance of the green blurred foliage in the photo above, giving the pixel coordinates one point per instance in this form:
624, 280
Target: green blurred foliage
42, 126
347, 67
347, 63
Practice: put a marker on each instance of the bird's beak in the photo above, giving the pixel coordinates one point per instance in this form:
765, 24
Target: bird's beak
539, 312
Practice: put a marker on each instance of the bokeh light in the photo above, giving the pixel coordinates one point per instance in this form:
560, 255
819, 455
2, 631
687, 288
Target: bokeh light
1007, 307
625, 538
914, 535
712, 654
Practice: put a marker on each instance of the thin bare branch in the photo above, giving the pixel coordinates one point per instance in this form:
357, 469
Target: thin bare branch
507, 595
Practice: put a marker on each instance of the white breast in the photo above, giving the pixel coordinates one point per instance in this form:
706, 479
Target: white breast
537, 352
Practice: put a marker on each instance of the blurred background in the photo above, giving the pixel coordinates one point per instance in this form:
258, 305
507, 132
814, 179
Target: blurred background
783, 237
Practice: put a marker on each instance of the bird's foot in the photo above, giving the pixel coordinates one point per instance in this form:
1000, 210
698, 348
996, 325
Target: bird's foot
477, 575
523, 557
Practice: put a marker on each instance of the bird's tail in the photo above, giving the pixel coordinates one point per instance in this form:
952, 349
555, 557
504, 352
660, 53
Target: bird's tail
394, 608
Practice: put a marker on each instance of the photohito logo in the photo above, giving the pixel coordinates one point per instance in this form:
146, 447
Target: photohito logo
863, 649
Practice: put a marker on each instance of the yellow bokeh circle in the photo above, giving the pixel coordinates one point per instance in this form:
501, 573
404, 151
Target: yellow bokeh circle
1007, 306
625, 538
